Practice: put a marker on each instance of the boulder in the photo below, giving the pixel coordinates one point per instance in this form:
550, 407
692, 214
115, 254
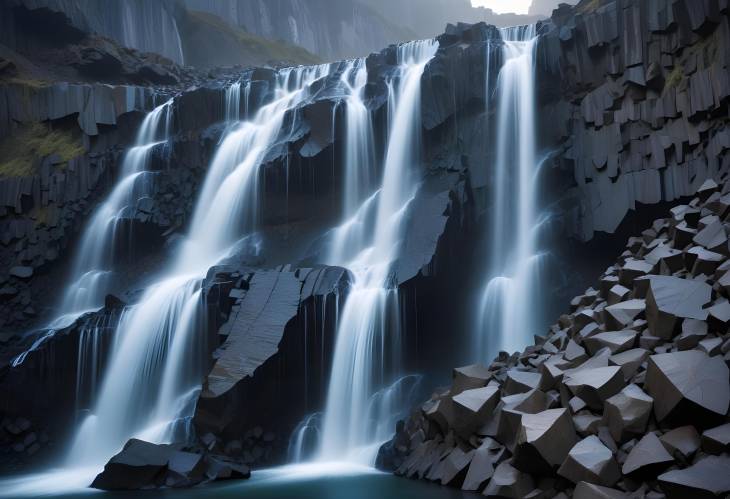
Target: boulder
670, 299
508, 481
629, 361
470, 408
595, 385
138, 465
627, 412
647, 456
590, 461
683, 441
688, 387
454, 467
621, 315
615, 341
468, 377
706, 479
544, 440
520, 381
586, 490
716, 440
485, 459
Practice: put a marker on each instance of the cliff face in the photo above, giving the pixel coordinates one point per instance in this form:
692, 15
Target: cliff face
632, 107
636, 95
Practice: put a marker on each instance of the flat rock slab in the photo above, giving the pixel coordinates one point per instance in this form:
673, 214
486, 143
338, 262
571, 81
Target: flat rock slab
709, 478
647, 456
688, 385
672, 298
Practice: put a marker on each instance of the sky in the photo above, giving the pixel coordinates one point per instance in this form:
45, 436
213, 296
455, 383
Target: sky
502, 6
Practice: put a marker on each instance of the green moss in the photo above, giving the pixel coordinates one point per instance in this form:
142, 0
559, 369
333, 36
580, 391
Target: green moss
588, 6
210, 30
20, 151
674, 77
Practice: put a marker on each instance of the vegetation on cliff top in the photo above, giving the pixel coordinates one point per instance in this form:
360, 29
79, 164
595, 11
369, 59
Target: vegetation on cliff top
21, 152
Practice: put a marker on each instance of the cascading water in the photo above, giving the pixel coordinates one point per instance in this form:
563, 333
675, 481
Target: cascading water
157, 360
92, 272
367, 243
507, 317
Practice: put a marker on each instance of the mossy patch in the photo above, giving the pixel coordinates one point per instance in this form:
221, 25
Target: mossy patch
21, 152
210, 36
588, 6
673, 78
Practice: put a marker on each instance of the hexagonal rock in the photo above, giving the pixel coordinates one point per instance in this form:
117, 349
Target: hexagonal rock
520, 381
649, 455
702, 261
622, 314
671, 298
627, 412
468, 377
716, 440
688, 387
590, 461
615, 341
595, 385
617, 294
586, 490
508, 481
706, 479
482, 465
470, 408
544, 440
683, 440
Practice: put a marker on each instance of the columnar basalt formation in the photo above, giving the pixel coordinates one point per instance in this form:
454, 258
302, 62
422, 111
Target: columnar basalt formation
606, 404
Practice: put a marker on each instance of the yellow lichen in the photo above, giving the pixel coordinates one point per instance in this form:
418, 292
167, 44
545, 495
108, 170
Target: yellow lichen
22, 150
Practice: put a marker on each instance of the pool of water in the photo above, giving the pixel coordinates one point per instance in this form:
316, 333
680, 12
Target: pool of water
311, 481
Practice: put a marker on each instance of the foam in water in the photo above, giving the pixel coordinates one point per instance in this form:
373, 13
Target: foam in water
507, 313
368, 334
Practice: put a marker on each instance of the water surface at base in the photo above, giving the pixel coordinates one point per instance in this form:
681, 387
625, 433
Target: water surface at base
315, 481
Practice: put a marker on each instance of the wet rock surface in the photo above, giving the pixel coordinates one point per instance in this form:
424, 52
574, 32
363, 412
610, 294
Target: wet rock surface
648, 418
144, 465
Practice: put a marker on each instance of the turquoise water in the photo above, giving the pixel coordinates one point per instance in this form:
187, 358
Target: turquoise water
295, 482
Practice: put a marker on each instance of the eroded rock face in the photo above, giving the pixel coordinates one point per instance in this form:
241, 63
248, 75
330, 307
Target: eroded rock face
614, 395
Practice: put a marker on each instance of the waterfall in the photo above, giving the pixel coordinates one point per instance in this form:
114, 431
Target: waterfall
159, 353
507, 315
367, 243
92, 271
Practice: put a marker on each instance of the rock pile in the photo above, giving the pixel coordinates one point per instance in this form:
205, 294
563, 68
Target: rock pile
628, 394
145, 465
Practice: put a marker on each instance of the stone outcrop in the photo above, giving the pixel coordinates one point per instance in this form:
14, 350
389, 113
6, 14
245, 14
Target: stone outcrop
651, 417
144, 465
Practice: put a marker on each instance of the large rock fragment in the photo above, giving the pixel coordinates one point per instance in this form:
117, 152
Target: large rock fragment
586, 490
706, 479
647, 456
468, 377
716, 440
595, 385
683, 440
470, 408
615, 341
688, 387
591, 461
544, 440
508, 481
670, 299
140, 464
627, 412
483, 462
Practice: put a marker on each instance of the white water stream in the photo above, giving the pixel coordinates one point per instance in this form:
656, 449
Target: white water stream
507, 313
